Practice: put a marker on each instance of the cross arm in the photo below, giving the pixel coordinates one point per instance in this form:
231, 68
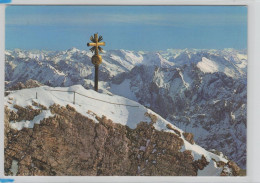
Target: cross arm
101, 44
97, 44
91, 44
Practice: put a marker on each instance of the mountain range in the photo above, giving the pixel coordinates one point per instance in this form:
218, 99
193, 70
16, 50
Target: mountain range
203, 92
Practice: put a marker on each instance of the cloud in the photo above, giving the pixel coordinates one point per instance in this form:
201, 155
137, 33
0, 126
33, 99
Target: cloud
173, 19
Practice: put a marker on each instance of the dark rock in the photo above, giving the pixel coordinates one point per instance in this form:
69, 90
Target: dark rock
234, 167
188, 137
201, 163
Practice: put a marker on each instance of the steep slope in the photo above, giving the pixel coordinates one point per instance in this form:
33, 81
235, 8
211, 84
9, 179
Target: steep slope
210, 105
49, 135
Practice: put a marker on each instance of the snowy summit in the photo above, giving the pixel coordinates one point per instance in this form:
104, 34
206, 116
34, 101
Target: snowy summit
118, 109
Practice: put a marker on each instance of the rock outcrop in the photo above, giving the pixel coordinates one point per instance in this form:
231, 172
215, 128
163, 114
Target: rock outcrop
28, 84
69, 143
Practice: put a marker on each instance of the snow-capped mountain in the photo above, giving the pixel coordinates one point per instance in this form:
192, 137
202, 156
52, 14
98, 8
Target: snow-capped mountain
74, 66
150, 143
230, 61
200, 91
210, 105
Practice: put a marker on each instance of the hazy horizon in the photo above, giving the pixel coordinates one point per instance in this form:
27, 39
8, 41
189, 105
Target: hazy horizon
149, 28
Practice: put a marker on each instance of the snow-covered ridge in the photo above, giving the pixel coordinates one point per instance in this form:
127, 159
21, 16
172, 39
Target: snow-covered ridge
207, 66
128, 113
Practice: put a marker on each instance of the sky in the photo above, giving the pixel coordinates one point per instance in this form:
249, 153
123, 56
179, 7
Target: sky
147, 28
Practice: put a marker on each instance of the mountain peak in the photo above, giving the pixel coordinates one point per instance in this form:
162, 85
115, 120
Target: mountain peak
111, 111
73, 50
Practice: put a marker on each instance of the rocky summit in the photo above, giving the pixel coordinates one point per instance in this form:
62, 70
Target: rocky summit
51, 135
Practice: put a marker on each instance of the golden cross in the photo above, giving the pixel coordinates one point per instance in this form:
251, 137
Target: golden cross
96, 43
96, 59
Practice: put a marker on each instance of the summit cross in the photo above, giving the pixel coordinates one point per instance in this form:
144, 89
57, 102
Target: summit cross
96, 58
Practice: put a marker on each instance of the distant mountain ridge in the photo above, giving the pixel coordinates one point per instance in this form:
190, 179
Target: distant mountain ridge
231, 62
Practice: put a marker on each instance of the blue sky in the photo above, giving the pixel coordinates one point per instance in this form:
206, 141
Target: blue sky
149, 28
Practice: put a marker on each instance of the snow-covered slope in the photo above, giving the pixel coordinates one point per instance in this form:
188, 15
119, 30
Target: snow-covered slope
119, 109
211, 105
226, 57
200, 91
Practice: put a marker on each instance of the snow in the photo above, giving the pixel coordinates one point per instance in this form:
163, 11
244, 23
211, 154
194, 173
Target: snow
208, 66
29, 124
233, 117
142, 148
73, 66
187, 80
210, 170
119, 109
14, 167
227, 65
126, 56
178, 86
198, 151
156, 59
161, 124
216, 101
197, 131
50, 68
126, 115
56, 71
123, 89
148, 142
227, 170
242, 65
242, 56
